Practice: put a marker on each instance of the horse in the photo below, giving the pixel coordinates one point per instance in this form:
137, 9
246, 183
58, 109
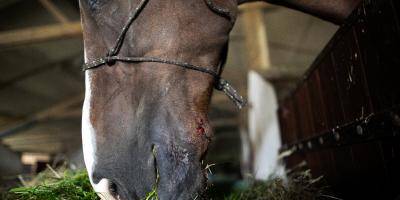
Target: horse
150, 69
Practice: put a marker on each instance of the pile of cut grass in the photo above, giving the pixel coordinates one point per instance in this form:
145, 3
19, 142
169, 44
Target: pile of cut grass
52, 185
299, 186
75, 185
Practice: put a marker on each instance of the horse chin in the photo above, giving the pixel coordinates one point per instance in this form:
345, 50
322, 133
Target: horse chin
174, 172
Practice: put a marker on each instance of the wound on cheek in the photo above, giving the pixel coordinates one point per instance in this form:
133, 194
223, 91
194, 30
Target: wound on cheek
200, 129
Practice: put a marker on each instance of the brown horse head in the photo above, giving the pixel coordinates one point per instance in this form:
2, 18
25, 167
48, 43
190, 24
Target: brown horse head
145, 124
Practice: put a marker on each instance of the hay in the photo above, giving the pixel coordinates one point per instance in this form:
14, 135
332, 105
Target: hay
299, 186
75, 185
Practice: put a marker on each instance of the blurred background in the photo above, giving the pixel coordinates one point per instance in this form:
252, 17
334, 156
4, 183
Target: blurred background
42, 86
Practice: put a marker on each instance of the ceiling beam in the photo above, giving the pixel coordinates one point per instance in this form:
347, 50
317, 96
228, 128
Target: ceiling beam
59, 111
5, 3
40, 148
53, 10
35, 71
256, 39
255, 5
40, 34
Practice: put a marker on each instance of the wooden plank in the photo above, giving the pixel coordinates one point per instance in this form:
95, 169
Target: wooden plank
378, 33
396, 8
303, 110
343, 159
322, 164
391, 157
367, 52
317, 106
328, 165
350, 78
369, 173
314, 164
283, 121
294, 132
329, 93
40, 34
288, 122
292, 126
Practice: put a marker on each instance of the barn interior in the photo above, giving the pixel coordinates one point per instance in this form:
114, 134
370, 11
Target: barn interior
273, 55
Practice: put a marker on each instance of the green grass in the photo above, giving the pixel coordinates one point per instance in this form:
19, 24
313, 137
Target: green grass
75, 185
70, 185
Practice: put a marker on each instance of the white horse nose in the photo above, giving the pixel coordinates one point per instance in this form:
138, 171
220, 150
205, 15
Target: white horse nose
105, 189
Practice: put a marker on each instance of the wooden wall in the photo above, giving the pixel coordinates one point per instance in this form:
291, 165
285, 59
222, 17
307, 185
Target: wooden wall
343, 117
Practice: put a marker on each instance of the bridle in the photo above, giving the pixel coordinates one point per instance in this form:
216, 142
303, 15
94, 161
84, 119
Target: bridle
113, 55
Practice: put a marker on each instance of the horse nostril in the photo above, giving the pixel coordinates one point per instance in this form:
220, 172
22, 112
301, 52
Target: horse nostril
113, 188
